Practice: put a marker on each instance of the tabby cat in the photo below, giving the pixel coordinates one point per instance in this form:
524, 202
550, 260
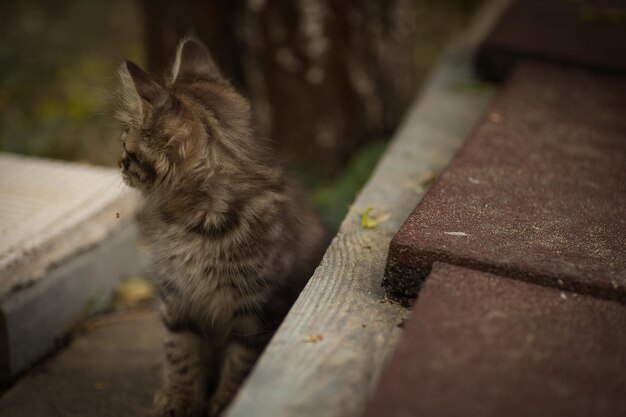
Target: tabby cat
232, 237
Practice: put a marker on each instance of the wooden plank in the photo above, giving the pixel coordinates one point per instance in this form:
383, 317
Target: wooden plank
327, 355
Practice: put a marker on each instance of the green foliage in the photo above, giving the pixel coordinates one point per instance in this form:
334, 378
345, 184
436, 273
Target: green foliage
57, 66
474, 86
333, 197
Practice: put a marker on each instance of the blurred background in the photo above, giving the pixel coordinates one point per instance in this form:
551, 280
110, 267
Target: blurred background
329, 80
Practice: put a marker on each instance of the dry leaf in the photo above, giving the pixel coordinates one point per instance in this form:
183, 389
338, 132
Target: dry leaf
314, 338
495, 117
135, 290
369, 221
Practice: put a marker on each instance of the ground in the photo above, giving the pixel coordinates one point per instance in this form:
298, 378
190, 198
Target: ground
110, 368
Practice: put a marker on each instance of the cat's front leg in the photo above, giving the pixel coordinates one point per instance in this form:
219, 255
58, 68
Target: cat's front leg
185, 368
238, 359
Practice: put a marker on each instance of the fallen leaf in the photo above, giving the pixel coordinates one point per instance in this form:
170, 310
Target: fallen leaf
314, 338
369, 221
495, 117
134, 290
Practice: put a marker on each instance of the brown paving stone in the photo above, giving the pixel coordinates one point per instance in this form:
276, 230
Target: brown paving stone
590, 34
484, 345
538, 192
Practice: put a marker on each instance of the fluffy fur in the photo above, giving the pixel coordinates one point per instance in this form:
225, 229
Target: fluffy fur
232, 238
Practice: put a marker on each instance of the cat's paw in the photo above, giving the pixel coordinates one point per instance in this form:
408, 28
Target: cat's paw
168, 404
217, 406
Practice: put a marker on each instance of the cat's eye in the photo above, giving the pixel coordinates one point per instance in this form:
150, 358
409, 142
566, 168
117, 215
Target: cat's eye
125, 133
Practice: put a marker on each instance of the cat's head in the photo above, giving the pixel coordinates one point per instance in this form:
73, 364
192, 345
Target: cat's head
188, 125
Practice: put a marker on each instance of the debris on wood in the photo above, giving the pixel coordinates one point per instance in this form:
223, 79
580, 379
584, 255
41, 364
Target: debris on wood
495, 117
413, 186
314, 338
369, 221
422, 183
427, 179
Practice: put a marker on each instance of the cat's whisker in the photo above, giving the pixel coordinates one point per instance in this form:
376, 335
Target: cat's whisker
118, 193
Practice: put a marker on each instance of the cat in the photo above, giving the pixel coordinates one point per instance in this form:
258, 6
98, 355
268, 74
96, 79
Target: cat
232, 237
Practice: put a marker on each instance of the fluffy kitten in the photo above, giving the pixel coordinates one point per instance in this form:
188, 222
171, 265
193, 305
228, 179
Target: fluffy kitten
232, 238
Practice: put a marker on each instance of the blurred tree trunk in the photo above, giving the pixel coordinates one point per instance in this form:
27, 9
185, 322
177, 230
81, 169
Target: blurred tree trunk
324, 76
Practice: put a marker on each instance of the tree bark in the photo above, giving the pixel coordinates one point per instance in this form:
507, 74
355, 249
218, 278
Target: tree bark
324, 76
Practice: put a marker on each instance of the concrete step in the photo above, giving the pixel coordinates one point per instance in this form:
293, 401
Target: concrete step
538, 192
67, 236
588, 34
477, 344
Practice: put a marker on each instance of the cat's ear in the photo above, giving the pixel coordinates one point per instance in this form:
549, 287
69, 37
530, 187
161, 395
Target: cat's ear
193, 60
148, 90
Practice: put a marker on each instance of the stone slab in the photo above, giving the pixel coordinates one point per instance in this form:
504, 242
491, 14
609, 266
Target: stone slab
478, 344
112, 370
36, 319
66, 239
538, 192
50, 210
589, 34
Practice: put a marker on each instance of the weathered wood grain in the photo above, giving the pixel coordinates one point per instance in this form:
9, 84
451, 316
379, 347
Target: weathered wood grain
327, 355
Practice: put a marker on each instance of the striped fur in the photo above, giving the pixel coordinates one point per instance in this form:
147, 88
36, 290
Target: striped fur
232, 238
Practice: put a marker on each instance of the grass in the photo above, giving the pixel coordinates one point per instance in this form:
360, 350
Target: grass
334, 196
